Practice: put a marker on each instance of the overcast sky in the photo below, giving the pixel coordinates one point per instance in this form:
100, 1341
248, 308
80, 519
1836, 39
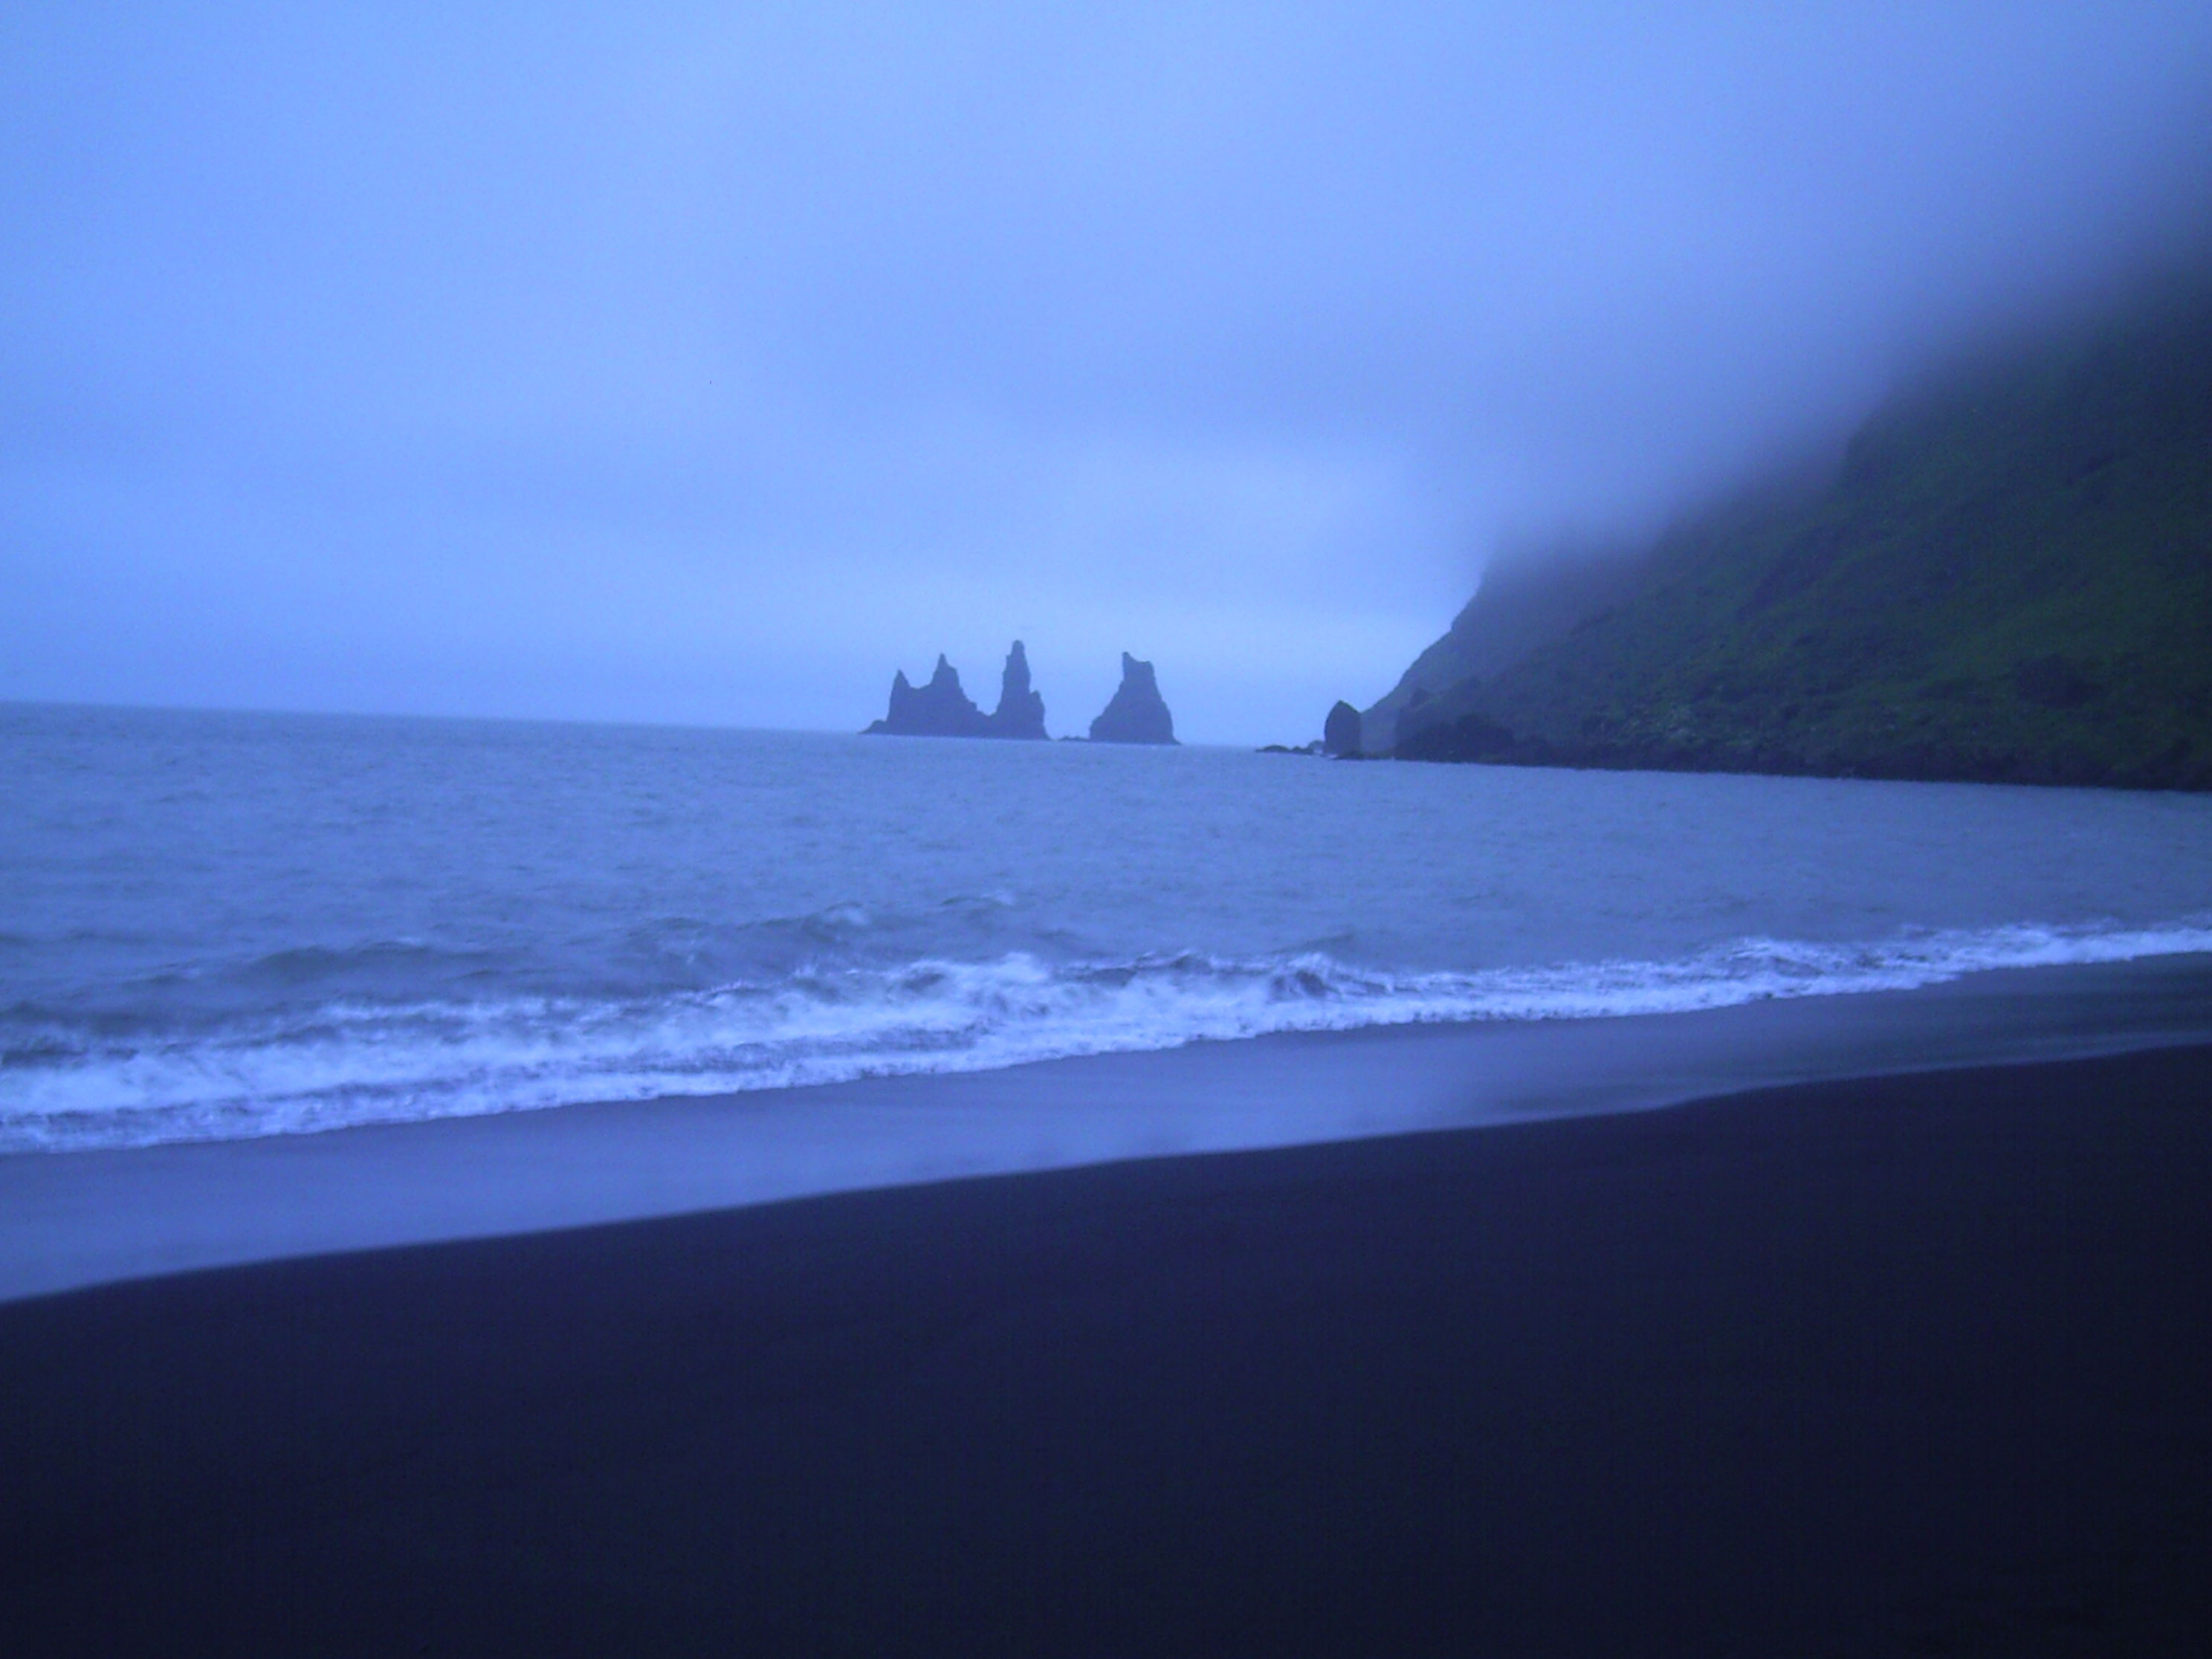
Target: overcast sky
707, 363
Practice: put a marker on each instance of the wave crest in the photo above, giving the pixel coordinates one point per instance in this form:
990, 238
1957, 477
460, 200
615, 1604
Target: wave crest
342, 1062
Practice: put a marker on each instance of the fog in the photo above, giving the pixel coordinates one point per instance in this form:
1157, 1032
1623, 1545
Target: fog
705, 364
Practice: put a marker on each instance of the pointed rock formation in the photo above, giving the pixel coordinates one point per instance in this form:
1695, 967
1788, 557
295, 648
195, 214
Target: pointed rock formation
1339, 733
1020, 713
942, 709
1136, 713
939, 709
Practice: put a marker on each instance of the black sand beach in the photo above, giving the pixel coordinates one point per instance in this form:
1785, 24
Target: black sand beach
1911, 1364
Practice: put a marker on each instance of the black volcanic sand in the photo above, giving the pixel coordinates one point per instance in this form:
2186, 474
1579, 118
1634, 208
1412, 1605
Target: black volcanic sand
1917, 1364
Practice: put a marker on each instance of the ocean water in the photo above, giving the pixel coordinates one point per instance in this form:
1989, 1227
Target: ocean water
216, 924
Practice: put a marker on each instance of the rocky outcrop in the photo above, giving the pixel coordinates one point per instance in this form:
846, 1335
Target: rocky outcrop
1020, 713
1340, 733
1136, 713
942, 709
939, 709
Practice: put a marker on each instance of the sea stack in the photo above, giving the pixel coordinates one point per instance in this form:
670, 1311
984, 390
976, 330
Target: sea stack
1020, 713
1339, 733
939, 709
942, 709
1136, 713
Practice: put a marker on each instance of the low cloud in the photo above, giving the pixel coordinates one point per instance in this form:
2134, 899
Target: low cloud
706, 365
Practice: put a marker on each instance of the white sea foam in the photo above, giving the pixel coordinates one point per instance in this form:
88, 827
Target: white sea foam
358, 1063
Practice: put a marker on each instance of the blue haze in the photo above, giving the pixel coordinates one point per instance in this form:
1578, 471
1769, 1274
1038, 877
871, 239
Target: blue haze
678, 361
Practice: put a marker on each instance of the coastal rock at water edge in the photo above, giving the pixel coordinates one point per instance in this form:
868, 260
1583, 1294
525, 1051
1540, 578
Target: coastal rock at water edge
1339, 733
1020, 713
939, 709
1136, 713
942, 709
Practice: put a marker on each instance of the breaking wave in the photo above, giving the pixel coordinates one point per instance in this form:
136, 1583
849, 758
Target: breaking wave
68, 1083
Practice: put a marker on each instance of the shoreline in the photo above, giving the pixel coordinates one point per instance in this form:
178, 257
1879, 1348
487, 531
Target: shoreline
71, 1219
1917, 1363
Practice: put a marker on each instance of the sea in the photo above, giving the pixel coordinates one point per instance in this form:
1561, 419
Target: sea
217, 926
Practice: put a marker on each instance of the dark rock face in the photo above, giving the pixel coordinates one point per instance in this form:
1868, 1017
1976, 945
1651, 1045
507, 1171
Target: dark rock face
1136, 713
2055, 682
1339, 733
1020, 713
939, 709
942, 709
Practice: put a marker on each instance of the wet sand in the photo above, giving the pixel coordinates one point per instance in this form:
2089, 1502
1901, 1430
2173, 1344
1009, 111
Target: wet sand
78, 1218
1910, 1364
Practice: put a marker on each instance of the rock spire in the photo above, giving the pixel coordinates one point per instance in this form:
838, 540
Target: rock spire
1137, 713
1020, 713
942, 709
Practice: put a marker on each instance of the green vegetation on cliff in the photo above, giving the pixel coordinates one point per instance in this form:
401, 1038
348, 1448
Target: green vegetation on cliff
2008, 579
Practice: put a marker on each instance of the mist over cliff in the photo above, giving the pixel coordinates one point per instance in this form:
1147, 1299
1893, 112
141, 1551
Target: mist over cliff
2007, 577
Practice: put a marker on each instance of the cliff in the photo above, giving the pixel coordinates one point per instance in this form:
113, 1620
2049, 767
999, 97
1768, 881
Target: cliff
1526, 599
1136, 713
2007, 579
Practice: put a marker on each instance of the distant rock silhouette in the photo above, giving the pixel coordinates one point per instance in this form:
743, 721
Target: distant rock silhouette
942, 709
939, 709
1020, 713
1339, 733
1137, 713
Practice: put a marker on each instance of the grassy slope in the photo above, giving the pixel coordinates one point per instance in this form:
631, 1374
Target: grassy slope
2010, 579
1525, 601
